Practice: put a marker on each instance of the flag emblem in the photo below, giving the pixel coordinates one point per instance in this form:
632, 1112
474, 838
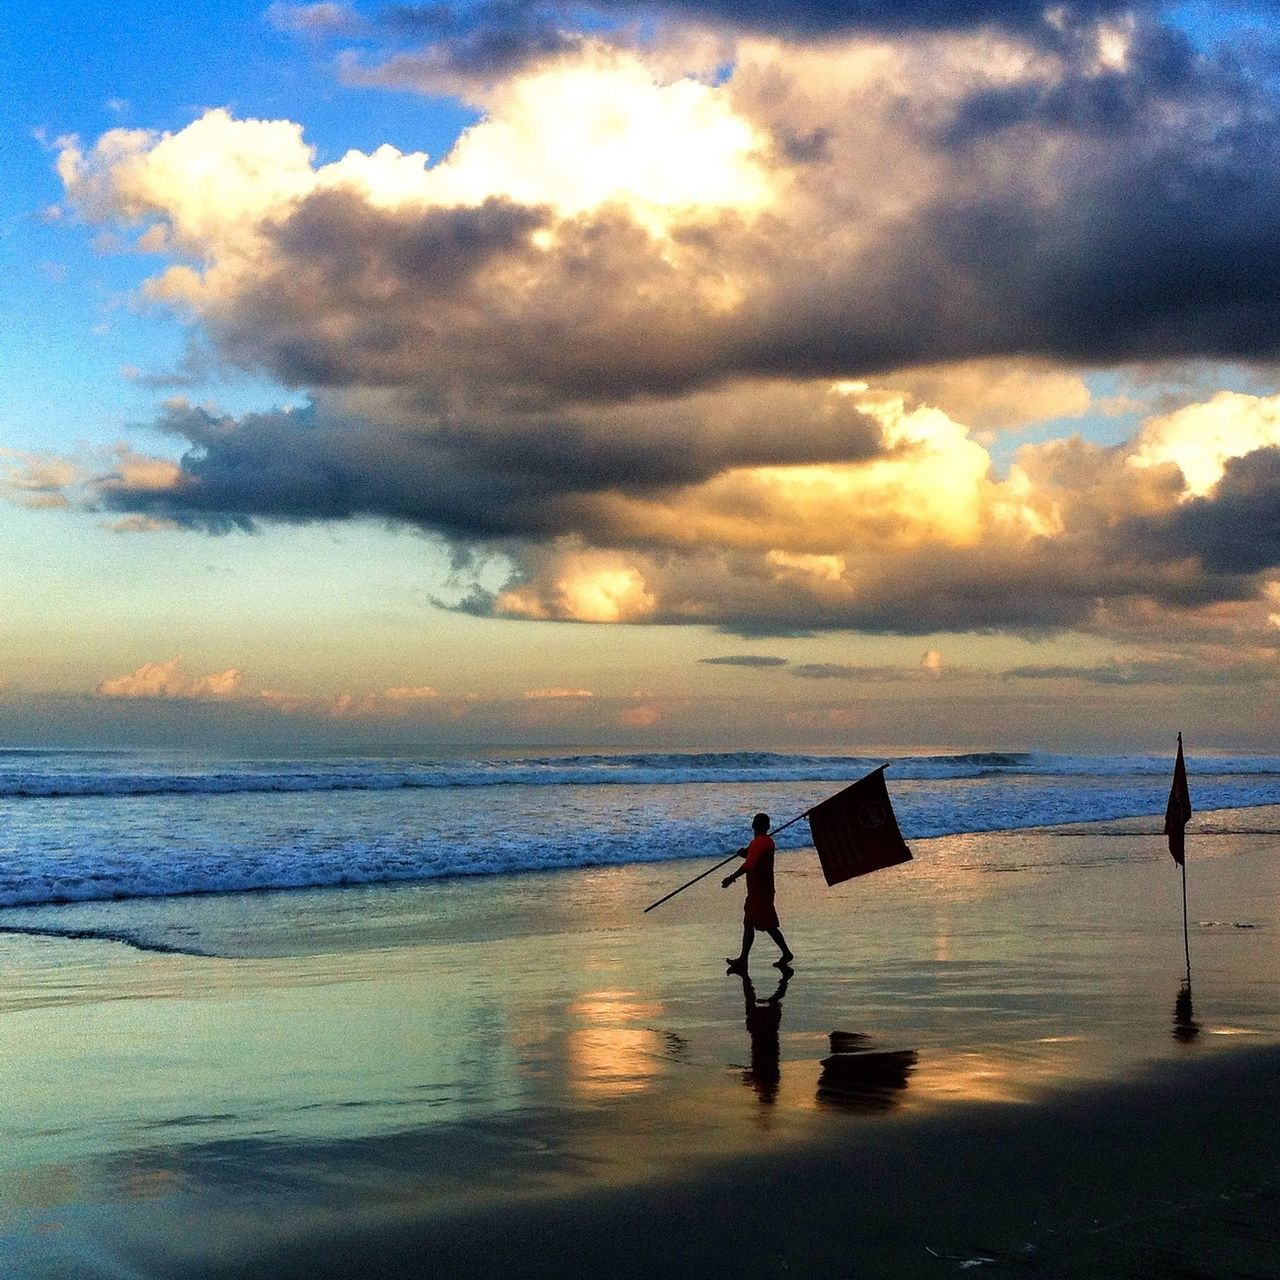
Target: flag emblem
871, 815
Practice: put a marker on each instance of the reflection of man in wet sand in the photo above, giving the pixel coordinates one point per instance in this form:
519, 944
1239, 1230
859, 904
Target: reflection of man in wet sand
764, 1018
758, 911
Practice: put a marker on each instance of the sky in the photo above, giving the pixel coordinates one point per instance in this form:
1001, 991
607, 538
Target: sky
675, 373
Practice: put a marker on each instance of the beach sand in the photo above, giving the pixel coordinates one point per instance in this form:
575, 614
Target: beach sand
984, 1060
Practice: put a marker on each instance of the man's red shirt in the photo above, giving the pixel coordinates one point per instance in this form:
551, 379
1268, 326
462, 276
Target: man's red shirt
758, 909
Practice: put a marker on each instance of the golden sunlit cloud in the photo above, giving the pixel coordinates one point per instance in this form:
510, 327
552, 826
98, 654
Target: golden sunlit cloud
168, 680
1201, 439
588, 587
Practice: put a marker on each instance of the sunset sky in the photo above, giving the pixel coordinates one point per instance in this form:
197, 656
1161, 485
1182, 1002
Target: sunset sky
684, 372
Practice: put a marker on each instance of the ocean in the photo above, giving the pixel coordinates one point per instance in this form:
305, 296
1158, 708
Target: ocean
86, 826
258, 1011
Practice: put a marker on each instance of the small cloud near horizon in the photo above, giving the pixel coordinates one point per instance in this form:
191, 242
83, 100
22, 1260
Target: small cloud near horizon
846, 671
745, 660
167, 680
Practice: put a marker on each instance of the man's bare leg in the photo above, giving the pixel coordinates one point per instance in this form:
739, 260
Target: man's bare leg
787, 955
738, 963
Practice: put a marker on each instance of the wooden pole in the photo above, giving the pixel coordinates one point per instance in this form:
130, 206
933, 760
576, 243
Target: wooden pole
720, 864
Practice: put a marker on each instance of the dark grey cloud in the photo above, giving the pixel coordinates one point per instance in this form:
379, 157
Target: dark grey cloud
1089, 216
531, 476
831, 17
451, 18
847, 671
456, 47
1161, 65
745, 660
1196, 668
458, 41
1236, 531
529, 503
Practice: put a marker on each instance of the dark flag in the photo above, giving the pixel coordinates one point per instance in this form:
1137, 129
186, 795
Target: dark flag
1178, 811
855, 831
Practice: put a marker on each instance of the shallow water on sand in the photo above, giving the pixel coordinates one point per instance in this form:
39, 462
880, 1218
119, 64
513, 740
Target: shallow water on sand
519, 1036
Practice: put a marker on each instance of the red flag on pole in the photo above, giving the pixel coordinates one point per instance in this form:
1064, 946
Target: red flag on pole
855, 831
1178, 811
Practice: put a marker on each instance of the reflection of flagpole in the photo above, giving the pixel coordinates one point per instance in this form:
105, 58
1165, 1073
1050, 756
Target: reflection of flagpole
721, 863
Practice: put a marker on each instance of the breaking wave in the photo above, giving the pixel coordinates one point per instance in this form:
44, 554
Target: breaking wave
95, 826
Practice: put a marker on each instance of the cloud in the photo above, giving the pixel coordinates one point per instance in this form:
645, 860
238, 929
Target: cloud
918, 536
745, 660
37, 480
646, 715
1214, 665
539, 694
719, 349
139, 524
459, 49
410, 693
848, 671
167, 680
1233, 531
1202, 439
464, 46
316, 20
603, 231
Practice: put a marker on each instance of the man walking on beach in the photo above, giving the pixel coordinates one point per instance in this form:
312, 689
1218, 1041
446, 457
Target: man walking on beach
758, 911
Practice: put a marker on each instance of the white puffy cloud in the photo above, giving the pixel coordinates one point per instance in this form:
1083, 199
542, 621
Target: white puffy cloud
1200, 439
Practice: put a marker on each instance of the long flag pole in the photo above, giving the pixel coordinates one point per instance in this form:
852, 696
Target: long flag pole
721, 863
733, 855
1186, 937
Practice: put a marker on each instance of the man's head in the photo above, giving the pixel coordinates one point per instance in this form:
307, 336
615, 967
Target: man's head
760, 823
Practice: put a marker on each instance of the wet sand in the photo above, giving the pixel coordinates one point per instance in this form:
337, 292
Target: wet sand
983, 1060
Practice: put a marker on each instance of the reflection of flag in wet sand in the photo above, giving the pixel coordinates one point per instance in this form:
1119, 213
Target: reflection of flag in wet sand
855, 831
858, 1079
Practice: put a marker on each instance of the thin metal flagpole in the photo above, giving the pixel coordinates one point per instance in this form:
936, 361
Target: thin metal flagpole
720, 864
1186, 939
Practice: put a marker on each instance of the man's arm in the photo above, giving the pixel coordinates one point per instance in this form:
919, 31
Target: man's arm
733, 875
